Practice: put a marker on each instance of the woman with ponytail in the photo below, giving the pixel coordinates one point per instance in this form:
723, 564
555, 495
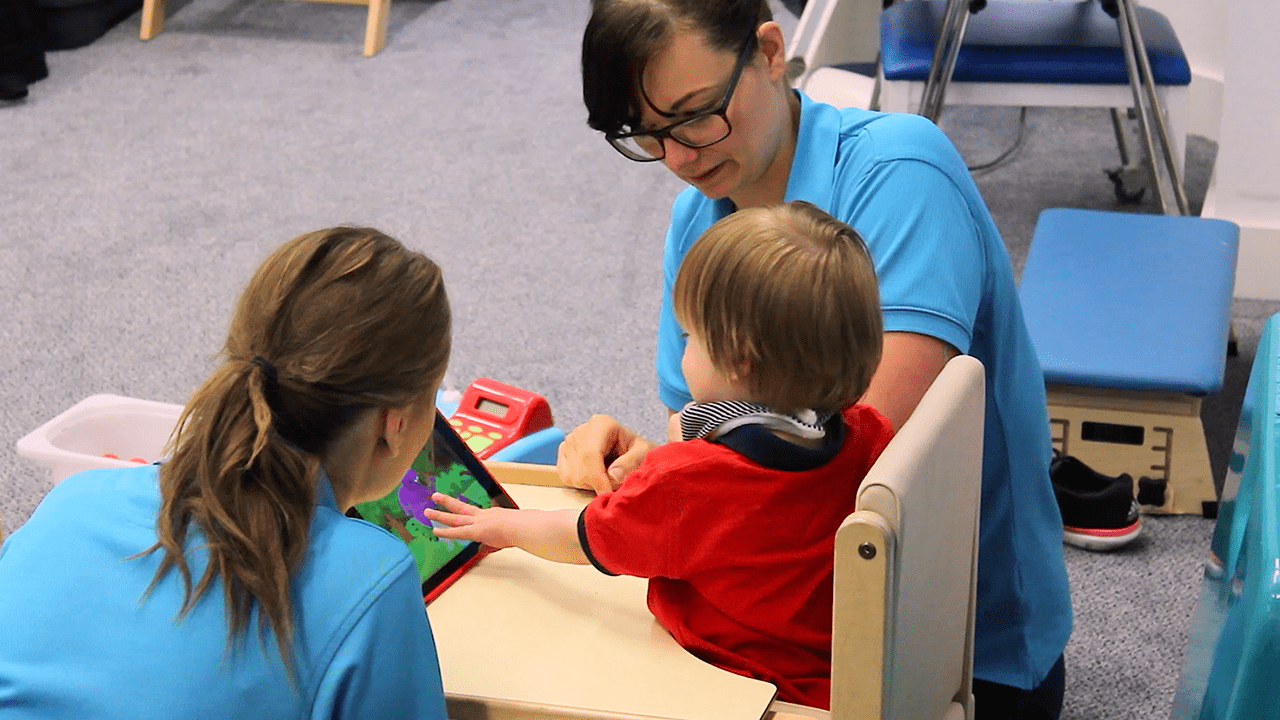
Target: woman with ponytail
226, 582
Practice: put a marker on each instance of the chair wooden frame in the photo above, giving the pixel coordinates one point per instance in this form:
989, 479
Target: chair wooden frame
375, 30
907, 564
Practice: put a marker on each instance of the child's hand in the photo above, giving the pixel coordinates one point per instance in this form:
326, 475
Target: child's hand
490, 526
550, 534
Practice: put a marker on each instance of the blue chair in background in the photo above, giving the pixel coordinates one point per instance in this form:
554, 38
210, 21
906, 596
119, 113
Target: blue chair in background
1040, 53
1085, 53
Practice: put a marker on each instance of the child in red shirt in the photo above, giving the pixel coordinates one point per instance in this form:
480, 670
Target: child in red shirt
734, 524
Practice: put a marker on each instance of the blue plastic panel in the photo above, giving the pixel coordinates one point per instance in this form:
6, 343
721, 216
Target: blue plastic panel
1034, 41
1130, 301
540, 447
1232, 666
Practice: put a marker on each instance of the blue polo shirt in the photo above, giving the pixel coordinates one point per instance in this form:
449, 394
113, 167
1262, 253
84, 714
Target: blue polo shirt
80, 640
944, 272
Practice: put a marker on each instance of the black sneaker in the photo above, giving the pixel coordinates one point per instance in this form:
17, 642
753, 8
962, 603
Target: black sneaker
1099, 512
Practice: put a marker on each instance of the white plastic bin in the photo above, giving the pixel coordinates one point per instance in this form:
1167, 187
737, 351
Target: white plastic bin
81, 436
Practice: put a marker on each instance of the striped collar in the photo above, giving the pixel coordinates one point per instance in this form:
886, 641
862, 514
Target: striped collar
713, 419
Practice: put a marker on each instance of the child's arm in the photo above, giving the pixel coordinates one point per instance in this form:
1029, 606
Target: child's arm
550, 534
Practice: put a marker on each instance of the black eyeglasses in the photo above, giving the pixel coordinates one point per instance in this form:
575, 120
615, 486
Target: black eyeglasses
699, 131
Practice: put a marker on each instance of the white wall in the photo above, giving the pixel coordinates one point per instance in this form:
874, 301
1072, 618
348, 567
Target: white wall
1246, 176
1201, 26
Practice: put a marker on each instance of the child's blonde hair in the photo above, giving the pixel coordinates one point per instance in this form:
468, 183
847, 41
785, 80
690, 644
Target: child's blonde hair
785, 299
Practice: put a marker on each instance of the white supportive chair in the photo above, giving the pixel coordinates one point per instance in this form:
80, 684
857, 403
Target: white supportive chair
907, 567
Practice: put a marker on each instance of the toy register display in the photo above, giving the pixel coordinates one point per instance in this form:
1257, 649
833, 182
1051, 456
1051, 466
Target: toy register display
445, 465
492, 415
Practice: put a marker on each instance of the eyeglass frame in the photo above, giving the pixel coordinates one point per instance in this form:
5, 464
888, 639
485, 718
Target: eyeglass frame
722, 110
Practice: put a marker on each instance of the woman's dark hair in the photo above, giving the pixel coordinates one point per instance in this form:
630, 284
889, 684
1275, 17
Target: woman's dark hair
622, 35
334, 323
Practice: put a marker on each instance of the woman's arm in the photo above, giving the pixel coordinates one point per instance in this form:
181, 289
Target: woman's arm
549, 534
908, 365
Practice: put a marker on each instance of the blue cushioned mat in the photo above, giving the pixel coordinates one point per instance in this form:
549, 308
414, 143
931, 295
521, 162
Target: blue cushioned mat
1038, 41
1139, 302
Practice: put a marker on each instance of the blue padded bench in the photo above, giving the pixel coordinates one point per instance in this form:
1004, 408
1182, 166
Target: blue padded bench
1046, 53
1130, 317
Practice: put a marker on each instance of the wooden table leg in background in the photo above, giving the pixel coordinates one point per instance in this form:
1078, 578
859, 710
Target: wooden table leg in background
152, 19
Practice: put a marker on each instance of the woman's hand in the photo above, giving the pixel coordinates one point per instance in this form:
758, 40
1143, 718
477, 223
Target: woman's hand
599, 454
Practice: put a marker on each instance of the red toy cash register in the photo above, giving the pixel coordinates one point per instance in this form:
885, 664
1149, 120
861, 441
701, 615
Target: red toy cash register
492, 415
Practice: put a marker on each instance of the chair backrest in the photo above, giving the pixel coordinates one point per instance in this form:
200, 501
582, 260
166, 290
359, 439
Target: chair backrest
906, 564
1230, 670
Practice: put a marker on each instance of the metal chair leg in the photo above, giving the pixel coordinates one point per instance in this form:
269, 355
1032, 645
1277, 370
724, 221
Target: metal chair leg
955, 20
1140, 103
1138, 49
1130, 179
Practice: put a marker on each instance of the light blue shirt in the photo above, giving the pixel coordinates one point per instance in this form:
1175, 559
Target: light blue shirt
79, 640
944, 272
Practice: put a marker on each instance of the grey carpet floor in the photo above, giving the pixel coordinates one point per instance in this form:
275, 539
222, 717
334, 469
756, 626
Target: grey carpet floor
141, 183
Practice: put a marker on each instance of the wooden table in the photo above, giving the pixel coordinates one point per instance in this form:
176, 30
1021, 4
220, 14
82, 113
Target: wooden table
523, 637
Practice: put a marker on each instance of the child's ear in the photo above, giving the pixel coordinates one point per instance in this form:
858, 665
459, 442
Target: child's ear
740, 370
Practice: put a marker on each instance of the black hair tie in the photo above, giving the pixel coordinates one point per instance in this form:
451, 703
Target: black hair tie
267, 368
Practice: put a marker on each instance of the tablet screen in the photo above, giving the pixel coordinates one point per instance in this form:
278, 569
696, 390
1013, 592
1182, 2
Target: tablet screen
448, 466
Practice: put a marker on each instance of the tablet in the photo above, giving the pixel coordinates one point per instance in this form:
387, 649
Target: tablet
445, 465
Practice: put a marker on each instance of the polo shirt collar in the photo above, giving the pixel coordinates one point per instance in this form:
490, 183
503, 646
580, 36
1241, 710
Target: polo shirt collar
813, 167
324, 491
758, 444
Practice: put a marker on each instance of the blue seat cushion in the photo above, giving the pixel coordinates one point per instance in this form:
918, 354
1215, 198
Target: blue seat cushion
1137, 302
1039, 41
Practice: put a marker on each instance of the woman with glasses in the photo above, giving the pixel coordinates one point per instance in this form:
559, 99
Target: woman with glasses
700, 86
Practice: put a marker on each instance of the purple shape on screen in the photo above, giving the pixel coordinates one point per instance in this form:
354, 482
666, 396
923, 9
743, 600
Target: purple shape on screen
415, 497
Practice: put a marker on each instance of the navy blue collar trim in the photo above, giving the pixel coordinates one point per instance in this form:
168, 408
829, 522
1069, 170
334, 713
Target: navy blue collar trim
763, 447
